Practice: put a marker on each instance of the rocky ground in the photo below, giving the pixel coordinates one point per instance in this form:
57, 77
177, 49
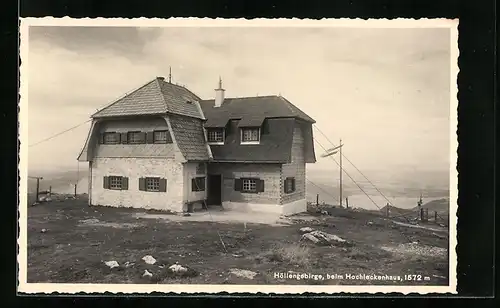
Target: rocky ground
70, 242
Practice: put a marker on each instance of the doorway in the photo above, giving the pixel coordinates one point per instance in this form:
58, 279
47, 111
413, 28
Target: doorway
214, 193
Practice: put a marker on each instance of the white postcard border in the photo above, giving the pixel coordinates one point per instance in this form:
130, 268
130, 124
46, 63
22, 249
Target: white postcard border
25, 287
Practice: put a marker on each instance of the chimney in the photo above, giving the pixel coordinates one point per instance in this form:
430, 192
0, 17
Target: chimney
219, 94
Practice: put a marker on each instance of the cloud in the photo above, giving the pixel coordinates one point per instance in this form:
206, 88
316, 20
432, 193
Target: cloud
384, 91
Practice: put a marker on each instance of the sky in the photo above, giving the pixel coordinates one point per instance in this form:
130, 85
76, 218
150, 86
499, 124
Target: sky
384, 92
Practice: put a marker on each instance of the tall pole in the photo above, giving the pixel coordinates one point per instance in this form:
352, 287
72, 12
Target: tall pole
340, 173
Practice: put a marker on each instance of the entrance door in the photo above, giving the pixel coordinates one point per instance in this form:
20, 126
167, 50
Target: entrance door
214, 193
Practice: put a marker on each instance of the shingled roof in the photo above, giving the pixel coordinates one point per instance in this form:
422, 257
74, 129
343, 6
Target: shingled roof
251, 109
155, 97
274, 114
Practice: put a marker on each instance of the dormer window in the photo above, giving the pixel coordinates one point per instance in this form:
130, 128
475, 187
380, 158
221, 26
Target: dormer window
250, 135
215, 135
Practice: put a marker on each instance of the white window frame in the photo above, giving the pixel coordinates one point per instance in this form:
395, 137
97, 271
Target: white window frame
115, 182
249, 185
216, 130
152, 184
242, 133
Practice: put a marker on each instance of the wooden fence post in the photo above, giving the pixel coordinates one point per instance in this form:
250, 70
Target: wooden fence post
75, 191
346, 202
387, 210
50, 190
435, 216
317, 199
37, 189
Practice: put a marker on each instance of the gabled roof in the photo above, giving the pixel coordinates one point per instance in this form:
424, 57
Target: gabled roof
155, 97
254, 108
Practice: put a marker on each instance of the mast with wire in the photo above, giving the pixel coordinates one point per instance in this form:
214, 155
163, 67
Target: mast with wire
331, 152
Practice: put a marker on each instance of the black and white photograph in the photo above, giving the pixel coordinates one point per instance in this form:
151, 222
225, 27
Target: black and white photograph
231, 155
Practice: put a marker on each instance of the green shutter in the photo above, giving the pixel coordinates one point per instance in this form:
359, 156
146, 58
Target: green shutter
260, 185
142, 184
105, 182
238, 184
150, 137
124, 183
163, 185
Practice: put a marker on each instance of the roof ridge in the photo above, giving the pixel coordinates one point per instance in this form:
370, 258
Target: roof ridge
243, 97
161, 94
122, 97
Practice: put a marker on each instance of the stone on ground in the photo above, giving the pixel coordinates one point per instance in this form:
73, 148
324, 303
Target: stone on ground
306, 230
320, 237
243, 273
112, 264
149, 259
176, 268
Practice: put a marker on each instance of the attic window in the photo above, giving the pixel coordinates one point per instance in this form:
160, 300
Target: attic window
215, 135
250, 135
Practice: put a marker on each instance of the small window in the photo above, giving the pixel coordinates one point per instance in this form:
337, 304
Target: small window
160, 136
215, 135
289, 185
134, 137
249, 185
250, 135
115, 182
198, 184
111, 138
152, 184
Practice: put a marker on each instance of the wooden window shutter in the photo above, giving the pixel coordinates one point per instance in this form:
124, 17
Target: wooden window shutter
105, 182
286, 185
124, 183
150, 137
169, 137
260, 185
238, 184
101, 138
143, 137
123, 138
293, 184
193, 185
142, 184
163, 185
